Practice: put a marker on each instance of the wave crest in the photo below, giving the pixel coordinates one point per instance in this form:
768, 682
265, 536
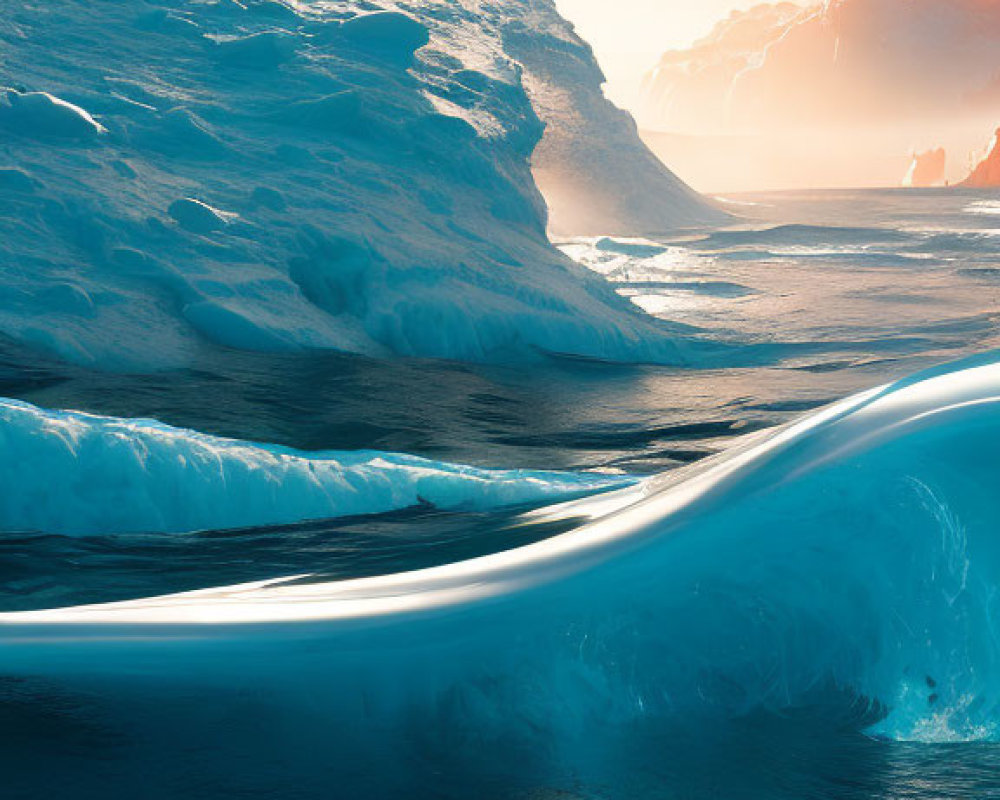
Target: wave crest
845, 565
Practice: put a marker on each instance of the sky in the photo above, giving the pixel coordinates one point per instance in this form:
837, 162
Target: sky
629, 40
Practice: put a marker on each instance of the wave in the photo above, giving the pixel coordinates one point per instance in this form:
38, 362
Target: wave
974, 242
895, 245
985, 207
798, 234
723, 289
864, 258
843, 566
637, 248
77, 474
983, 273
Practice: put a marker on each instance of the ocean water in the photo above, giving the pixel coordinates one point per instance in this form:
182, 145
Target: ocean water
821, 295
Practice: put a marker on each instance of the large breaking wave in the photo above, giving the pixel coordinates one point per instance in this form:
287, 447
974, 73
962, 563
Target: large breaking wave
845, 566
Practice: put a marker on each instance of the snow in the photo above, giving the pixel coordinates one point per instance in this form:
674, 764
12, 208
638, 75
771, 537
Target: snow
265, 50
77, 474
198, 217
286, 176
41, 114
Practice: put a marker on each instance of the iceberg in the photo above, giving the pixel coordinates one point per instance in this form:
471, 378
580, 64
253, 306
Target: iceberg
282, 176
844, 563
40, 114
76, 474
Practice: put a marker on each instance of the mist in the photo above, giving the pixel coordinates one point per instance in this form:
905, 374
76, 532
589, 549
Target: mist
847, 93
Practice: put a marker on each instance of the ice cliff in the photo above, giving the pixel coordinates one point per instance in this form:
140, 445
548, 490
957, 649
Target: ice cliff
588, 165
283, 175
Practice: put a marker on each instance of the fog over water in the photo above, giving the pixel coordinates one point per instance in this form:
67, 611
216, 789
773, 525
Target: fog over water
773, 96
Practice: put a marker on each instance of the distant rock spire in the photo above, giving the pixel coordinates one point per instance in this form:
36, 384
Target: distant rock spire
987, 173
926, 169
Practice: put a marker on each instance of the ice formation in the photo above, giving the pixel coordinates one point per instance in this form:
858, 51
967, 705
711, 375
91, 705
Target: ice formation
845, 564
277, 175
76, 474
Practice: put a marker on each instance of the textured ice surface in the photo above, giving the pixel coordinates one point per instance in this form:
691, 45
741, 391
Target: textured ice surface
277, 176
41, 115
77, 474
844, 566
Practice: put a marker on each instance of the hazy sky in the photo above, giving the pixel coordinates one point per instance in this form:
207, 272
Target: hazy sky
629, 35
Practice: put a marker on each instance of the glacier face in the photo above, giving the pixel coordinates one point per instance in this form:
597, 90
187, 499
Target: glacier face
277, 176
77, 474
588, 165
843, 565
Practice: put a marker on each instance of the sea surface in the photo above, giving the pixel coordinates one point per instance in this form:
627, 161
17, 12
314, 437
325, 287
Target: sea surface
820, 295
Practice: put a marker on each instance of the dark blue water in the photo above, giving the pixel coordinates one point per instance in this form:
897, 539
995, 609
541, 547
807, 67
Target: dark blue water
96, 742
850, 289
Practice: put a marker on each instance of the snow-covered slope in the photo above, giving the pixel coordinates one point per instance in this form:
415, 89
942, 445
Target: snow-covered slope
281, 175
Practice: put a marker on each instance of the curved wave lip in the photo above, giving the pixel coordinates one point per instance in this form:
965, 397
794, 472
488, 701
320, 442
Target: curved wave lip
251, 251
79, 474
847, 561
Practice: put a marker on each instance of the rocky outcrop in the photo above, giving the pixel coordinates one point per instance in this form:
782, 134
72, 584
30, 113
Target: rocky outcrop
926, 169
986, 175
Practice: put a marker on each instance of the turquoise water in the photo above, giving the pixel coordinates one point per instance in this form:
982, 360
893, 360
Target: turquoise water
830, 293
